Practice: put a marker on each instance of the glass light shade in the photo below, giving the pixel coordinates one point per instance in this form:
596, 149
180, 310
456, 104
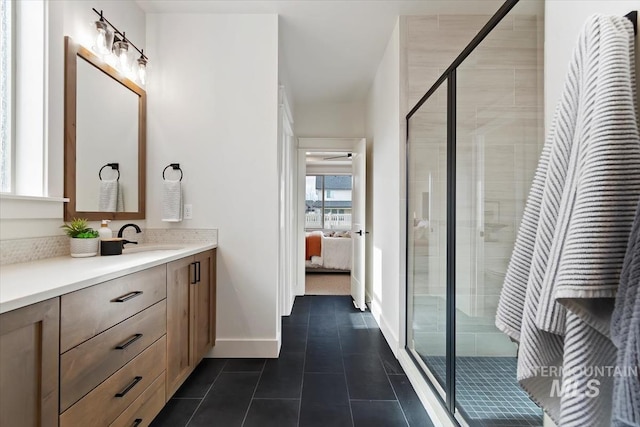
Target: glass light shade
121, 51
142, 70
102, 38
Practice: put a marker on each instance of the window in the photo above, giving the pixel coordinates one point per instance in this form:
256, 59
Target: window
5, 95
22, 63
328, 202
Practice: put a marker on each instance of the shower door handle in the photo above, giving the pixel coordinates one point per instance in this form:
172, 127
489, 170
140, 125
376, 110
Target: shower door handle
361, 232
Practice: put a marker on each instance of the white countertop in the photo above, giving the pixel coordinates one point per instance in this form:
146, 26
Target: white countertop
31, 282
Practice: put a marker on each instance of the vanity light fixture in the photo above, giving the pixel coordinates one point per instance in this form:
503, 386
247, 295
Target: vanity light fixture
142, 68
102, 37
120, 50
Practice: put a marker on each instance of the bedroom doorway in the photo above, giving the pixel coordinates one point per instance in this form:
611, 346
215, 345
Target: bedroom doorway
326, 202
328, 244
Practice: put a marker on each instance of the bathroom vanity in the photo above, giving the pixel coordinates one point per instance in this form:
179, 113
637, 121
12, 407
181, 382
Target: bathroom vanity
103, 341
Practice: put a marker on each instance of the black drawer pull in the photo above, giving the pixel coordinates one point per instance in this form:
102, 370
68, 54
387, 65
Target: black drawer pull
127, 297
194, 276
198, 271
128, 388
128, 342
136, 422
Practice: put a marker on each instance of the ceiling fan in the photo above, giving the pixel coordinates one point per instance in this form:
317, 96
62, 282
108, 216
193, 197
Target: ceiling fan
344, 156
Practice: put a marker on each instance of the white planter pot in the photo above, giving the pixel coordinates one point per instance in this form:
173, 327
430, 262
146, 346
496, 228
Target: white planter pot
81, 248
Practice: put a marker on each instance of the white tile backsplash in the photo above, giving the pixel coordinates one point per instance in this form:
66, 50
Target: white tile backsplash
25, 250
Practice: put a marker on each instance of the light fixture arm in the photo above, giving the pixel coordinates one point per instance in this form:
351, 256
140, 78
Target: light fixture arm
121, 34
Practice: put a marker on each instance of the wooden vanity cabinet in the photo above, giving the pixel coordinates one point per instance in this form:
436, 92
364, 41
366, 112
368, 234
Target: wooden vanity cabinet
29, 343
191, 305
110, 354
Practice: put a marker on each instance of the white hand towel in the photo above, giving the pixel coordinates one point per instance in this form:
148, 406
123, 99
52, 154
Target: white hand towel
120, 205
108, 201
172, 201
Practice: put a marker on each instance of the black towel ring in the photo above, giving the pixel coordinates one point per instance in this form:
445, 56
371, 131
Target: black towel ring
114, 166
174, 166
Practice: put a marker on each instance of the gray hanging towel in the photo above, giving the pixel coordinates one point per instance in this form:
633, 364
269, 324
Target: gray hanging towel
625, 333
108, 197
570, 246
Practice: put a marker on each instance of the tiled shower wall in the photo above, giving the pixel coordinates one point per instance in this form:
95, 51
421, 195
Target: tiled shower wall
499, 137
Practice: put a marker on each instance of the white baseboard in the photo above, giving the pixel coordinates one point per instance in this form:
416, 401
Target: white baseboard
391, 337
234, 348
430, 401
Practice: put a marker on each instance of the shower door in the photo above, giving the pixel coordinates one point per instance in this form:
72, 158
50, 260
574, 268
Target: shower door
473, 143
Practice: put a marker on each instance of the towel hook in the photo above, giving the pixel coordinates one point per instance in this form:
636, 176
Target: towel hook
633, 17
114, 166
174, 166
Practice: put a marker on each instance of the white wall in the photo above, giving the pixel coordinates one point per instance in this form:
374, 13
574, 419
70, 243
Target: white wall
563, 21
385, 197
213, 108
330, 120
65, 18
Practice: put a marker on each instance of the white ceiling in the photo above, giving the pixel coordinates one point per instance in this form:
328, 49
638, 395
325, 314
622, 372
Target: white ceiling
330, 49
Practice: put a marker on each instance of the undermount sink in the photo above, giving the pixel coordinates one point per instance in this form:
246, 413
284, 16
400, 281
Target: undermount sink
148, 247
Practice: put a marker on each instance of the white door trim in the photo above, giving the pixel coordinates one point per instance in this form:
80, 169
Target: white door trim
310, 145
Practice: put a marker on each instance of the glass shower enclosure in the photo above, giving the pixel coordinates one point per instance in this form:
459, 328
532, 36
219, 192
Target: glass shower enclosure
473, 143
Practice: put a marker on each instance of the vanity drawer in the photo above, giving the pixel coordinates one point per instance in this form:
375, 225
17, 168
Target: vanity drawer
87, 365
87, 312
144, 409
107, 401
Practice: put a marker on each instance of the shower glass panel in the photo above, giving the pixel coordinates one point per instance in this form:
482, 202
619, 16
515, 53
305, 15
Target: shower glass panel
499, 136
426, 234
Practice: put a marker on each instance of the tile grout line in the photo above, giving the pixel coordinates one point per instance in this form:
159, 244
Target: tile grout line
254, 393
346, 382
394, 392
206, 393
387, 375
304, 362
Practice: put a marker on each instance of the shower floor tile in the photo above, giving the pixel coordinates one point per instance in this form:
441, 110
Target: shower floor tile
487, 392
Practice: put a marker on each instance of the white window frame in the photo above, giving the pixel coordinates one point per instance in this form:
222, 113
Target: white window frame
28, 195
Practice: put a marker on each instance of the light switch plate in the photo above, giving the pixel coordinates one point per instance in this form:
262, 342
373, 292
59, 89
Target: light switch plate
188, 211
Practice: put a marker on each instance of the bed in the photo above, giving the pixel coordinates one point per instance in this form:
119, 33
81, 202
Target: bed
328, 253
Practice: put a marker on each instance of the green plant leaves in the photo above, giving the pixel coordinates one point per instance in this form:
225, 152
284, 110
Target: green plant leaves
79, 229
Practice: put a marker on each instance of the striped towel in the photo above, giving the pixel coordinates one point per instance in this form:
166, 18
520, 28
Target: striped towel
625, 333
565, 267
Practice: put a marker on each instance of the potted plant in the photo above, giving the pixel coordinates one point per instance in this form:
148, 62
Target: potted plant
84, 239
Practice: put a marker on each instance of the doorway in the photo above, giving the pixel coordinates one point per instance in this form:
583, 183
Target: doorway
327, 225
328, 238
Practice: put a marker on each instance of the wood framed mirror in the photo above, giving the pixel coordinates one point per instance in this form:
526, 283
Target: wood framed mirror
104, 139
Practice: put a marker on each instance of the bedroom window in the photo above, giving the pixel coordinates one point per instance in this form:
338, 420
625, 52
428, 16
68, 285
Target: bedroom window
328, 202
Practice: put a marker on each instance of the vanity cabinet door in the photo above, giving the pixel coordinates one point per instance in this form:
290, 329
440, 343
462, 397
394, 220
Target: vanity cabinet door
205, 299
29, 350
180, 322
191, 315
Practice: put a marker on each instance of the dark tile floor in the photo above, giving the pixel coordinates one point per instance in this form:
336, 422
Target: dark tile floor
335, 369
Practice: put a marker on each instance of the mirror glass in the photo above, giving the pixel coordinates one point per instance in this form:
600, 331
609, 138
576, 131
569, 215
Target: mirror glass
105, 139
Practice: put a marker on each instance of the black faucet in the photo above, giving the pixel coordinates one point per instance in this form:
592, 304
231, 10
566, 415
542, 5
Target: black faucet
121, 231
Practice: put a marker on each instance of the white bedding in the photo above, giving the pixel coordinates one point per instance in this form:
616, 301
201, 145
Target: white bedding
336, 252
